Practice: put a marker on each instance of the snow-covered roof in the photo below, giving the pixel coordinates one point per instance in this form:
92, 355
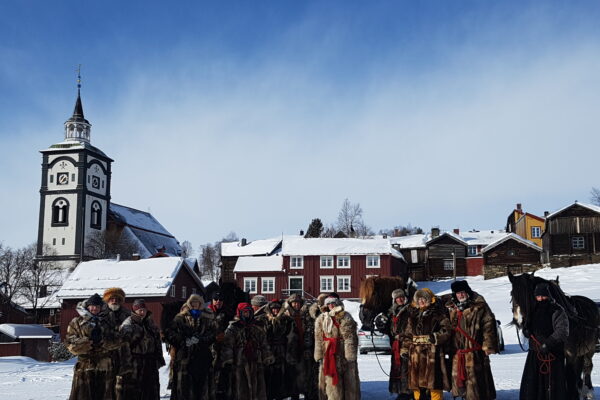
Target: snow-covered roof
26, 331
592, 207
337, 246
483, 238
145, 230
409, 241
259, 263
150, 277
447, 233
262, 247
513, 236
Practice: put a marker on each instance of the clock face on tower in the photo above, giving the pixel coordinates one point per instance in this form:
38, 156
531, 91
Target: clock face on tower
95, 182
62, 178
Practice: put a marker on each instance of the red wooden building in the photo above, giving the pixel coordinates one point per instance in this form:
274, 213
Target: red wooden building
157, 280
314, 265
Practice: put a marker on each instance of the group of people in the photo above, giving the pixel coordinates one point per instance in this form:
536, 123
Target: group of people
284, 349
442, 346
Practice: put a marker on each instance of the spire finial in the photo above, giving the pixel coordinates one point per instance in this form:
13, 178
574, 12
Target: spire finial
79, 77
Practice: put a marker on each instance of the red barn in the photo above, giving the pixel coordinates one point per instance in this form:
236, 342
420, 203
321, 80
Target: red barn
157, 280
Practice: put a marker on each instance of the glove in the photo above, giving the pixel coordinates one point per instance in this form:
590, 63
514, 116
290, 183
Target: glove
380, 322
191, 341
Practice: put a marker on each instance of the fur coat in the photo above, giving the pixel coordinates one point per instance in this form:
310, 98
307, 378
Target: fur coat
478, 321
246, 352
145, 348
395, 328
282, 341
92, 338
193, 359
220, 381
336, 330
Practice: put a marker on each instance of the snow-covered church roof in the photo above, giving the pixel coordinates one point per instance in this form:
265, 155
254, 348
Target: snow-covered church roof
150, 277
144, 230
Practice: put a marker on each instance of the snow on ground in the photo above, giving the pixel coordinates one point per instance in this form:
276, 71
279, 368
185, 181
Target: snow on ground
23, 378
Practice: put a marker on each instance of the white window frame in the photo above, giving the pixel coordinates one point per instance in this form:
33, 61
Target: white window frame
471, 250
536, 232
343, 278
295, 277
292, 258
373, 256
349, 265
267, 279
184, 292
578, 242
328, 259
449, 264
250, 280
414, 256
330, 279
173, 290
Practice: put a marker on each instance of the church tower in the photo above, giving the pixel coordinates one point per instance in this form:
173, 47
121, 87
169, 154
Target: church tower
74, 194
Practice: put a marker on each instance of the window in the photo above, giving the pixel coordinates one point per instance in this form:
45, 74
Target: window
578, 242
414, 256
60, 212
173, 290
250, 285
51, 178
96, 216
448, 265
536, 231
63, 241
54, 242
327, 284
472, 250
194, 290
72, 177
372, 261
184, 292
296, 284
343, 262
326, 261
296, 262
343, 283
268, 285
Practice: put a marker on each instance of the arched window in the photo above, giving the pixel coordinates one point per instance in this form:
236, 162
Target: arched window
60, 212
96, 216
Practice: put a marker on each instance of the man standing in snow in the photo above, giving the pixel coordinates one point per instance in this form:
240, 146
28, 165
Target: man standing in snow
117, 314
547, 330
475, 338
92, 338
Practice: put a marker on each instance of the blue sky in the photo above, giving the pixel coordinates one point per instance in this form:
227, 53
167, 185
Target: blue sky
256, 117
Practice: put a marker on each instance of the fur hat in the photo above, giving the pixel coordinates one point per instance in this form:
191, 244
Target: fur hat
114, 292
295, 297
321, 299
274, 304
333, 300
194, 297
542, 289
461, 286
259, 300
398, 293
138, 303
94, 300
426, 294
333, 294
218, 296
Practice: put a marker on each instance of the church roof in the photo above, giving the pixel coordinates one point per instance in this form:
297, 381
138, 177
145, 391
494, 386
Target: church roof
144, 229
78, 111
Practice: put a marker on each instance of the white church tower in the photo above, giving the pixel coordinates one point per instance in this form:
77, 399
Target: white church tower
74, 194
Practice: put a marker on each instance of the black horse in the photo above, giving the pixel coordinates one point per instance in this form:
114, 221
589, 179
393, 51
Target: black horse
584, 320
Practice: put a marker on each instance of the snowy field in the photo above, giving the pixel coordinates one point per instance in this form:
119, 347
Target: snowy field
24, 378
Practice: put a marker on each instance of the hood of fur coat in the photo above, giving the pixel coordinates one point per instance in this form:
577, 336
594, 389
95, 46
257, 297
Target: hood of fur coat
82, 310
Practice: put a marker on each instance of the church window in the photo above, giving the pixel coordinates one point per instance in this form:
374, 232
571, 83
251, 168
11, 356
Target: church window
51, 178
54, 242
60, 212
96, 216
102, 184
63, 241
89, 177
72, 177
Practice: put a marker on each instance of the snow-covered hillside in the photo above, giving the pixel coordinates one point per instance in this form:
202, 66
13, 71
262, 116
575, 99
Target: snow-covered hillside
23, 378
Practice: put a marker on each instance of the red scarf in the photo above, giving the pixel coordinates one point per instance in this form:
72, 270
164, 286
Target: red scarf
329, 368
461, 368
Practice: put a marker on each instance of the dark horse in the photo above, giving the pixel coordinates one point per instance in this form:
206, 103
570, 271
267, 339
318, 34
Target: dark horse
376, 296
584, 319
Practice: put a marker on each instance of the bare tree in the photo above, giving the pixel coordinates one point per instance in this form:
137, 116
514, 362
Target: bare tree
329, 231
231, 237
109, 244
12, 269
595, 196
350, 218
209, 260
187, 249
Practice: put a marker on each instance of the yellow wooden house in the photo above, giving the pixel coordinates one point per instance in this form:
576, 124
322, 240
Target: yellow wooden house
526, 225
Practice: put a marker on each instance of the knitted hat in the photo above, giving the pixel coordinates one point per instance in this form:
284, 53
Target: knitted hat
398, 293
138, 303
94, 300
461, 286
258, 300
274, 304
114, 292
542, 289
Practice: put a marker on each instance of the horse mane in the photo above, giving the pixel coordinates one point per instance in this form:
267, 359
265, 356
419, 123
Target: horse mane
375, 292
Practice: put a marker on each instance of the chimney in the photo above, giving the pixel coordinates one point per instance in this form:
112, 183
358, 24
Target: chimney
457, 231
301, 232
435, 232
546, 213
135, 256
244, 242
519, 207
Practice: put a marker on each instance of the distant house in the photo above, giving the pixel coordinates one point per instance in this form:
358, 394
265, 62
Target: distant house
526, 225
230, 251
413, 249
476, 241
25, 340
572, 236
158, 280
314, 265
446, 254
510, 253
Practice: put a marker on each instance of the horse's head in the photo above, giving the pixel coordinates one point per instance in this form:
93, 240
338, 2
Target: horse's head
523, 298
376, 297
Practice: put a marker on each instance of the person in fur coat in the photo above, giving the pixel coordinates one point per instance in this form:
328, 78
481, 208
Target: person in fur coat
475, 338
246, 352
91, 337
192, 332
336, 347
394, 324
146, 354
114, 298
282, 341
428, 330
